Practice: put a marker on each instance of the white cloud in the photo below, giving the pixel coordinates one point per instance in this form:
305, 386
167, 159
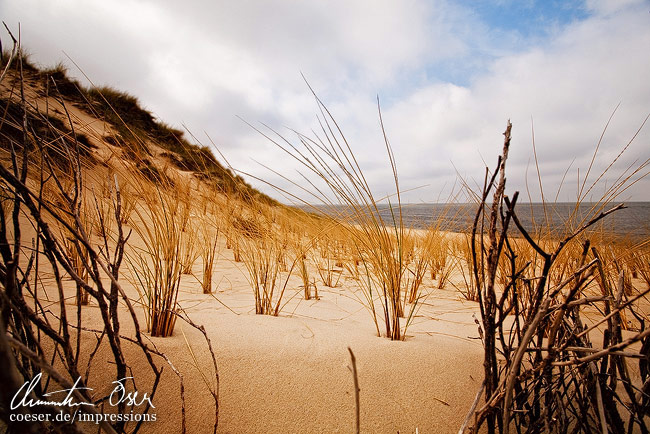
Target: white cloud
447, 79
568, 87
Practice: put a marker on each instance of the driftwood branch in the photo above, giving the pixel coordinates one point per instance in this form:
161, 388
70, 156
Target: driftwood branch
551, 378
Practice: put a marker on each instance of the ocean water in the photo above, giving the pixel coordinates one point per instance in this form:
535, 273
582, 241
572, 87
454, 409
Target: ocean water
632, 222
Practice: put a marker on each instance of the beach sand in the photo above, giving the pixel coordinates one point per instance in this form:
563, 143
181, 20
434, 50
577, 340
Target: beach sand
291, 373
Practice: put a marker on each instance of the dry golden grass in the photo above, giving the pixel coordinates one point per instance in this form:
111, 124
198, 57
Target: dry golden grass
209, 252
157, 267
379, 243
263, 249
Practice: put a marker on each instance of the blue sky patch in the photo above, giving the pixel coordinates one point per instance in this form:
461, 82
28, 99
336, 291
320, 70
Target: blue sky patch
532, 19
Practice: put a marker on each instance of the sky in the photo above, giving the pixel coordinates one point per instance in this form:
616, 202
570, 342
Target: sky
448, 75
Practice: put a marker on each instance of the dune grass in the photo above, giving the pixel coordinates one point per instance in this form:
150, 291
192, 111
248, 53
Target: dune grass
377, 242
261, 251
208, 251
157, 266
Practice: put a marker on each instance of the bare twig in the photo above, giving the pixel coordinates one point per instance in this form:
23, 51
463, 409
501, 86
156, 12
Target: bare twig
353, 368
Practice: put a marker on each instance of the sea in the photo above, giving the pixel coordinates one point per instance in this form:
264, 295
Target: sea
632, 222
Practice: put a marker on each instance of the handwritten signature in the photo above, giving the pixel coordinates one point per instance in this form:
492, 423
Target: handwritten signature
23, 397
